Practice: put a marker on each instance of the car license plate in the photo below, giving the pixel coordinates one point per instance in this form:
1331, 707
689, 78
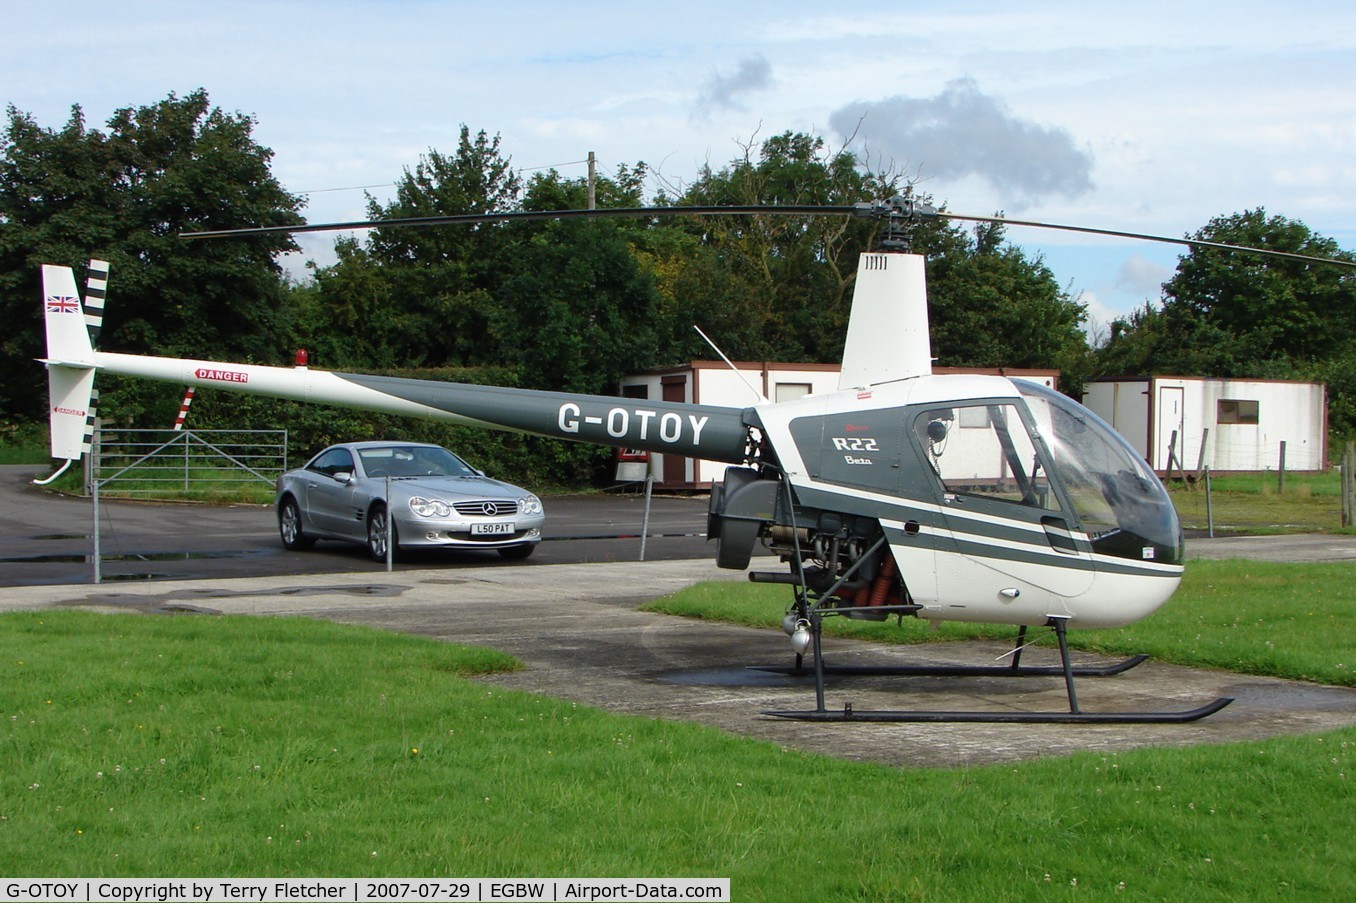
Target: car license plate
493, 529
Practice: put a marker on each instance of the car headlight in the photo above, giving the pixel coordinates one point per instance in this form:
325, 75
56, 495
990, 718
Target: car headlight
429, 507
529, 505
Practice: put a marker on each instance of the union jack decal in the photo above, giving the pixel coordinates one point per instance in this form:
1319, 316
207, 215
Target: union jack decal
62, 304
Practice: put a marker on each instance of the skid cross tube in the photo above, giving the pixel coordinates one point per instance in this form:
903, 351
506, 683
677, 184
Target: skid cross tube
1075, 715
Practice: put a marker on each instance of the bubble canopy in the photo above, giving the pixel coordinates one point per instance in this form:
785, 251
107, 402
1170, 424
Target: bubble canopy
1120, 502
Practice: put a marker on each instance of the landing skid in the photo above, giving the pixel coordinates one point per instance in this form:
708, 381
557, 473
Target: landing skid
1075, 715
848, 715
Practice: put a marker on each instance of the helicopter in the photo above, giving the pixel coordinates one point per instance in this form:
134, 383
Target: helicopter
964, 497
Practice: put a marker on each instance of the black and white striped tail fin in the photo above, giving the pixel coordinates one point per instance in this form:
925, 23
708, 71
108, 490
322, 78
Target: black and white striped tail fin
96, 288
87, 444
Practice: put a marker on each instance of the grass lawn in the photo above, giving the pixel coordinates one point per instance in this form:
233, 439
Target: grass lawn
247, 747
1254, 503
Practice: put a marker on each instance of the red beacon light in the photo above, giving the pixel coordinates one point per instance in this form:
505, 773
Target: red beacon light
302, 357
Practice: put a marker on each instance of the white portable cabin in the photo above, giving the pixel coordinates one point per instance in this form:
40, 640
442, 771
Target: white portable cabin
1229, 425
713, 382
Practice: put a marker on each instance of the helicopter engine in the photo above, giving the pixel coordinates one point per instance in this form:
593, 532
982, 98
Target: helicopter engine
834, 554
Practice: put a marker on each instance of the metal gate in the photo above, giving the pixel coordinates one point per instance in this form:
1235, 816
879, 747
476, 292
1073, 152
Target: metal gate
180, 464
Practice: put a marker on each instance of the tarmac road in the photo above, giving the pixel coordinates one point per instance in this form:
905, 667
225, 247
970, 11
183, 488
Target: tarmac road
46, 538
578, 630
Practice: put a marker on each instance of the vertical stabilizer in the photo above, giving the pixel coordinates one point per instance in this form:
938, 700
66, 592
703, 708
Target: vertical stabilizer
70, 362
96, 290
887, 336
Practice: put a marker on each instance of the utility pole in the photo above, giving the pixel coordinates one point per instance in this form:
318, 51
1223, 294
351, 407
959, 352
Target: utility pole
593, 199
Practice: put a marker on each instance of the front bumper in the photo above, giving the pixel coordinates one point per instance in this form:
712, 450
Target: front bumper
458, 533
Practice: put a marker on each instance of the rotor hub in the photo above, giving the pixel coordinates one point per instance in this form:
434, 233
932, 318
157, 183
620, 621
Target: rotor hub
901, 215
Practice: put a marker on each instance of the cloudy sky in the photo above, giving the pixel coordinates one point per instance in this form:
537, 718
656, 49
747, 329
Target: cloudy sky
1144, 116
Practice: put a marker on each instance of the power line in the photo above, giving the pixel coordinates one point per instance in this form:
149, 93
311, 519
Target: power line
348, 188
551, 166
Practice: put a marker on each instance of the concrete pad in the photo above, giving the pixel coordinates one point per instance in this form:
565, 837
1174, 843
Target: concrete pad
578, 630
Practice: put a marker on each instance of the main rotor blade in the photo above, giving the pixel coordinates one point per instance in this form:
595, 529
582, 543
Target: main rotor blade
473, 219
899, 209
1140, 236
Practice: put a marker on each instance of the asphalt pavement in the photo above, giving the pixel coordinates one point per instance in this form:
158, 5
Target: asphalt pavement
48, 538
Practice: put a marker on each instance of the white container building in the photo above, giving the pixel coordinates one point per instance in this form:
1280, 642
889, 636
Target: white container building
1229, 425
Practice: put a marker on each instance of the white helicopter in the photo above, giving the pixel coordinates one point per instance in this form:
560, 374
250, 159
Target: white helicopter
943, 497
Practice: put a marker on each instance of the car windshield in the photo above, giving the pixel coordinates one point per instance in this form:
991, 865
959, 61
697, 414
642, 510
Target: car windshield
412, 461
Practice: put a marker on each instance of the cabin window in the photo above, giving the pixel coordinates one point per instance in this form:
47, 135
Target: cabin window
985, 451
1237, 410
974, 418
1119, 502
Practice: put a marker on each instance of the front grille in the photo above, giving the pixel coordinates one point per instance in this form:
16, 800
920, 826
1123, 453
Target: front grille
486, 508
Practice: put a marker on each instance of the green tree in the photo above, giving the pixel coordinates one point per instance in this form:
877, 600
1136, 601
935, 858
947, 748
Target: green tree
417, 296
565, 304
1235, 314
1275, 312
477, 178
124, 195
994, 307
549, 191
778, 287
787, 278
576, 311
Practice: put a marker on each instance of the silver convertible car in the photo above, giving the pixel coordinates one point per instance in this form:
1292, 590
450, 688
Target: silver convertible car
437, 501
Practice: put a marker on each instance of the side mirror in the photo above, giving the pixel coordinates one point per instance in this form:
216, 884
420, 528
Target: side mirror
343, 476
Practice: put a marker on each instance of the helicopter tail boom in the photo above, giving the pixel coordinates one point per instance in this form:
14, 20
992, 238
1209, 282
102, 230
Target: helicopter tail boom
705, 431
714, 433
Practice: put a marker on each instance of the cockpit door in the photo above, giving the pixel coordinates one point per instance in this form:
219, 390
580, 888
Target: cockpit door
1007, 517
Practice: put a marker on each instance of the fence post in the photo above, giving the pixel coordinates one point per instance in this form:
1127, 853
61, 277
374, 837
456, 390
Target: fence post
1209, 508
1173, 460
1280, 487
645, 520
1349, 485
390, 528
1200, 459
96, 449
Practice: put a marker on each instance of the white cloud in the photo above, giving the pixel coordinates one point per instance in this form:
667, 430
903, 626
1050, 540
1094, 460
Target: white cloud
1141, 276
754, 74
963, 132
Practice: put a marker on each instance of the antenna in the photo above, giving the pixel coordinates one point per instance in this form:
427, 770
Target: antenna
763, 399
